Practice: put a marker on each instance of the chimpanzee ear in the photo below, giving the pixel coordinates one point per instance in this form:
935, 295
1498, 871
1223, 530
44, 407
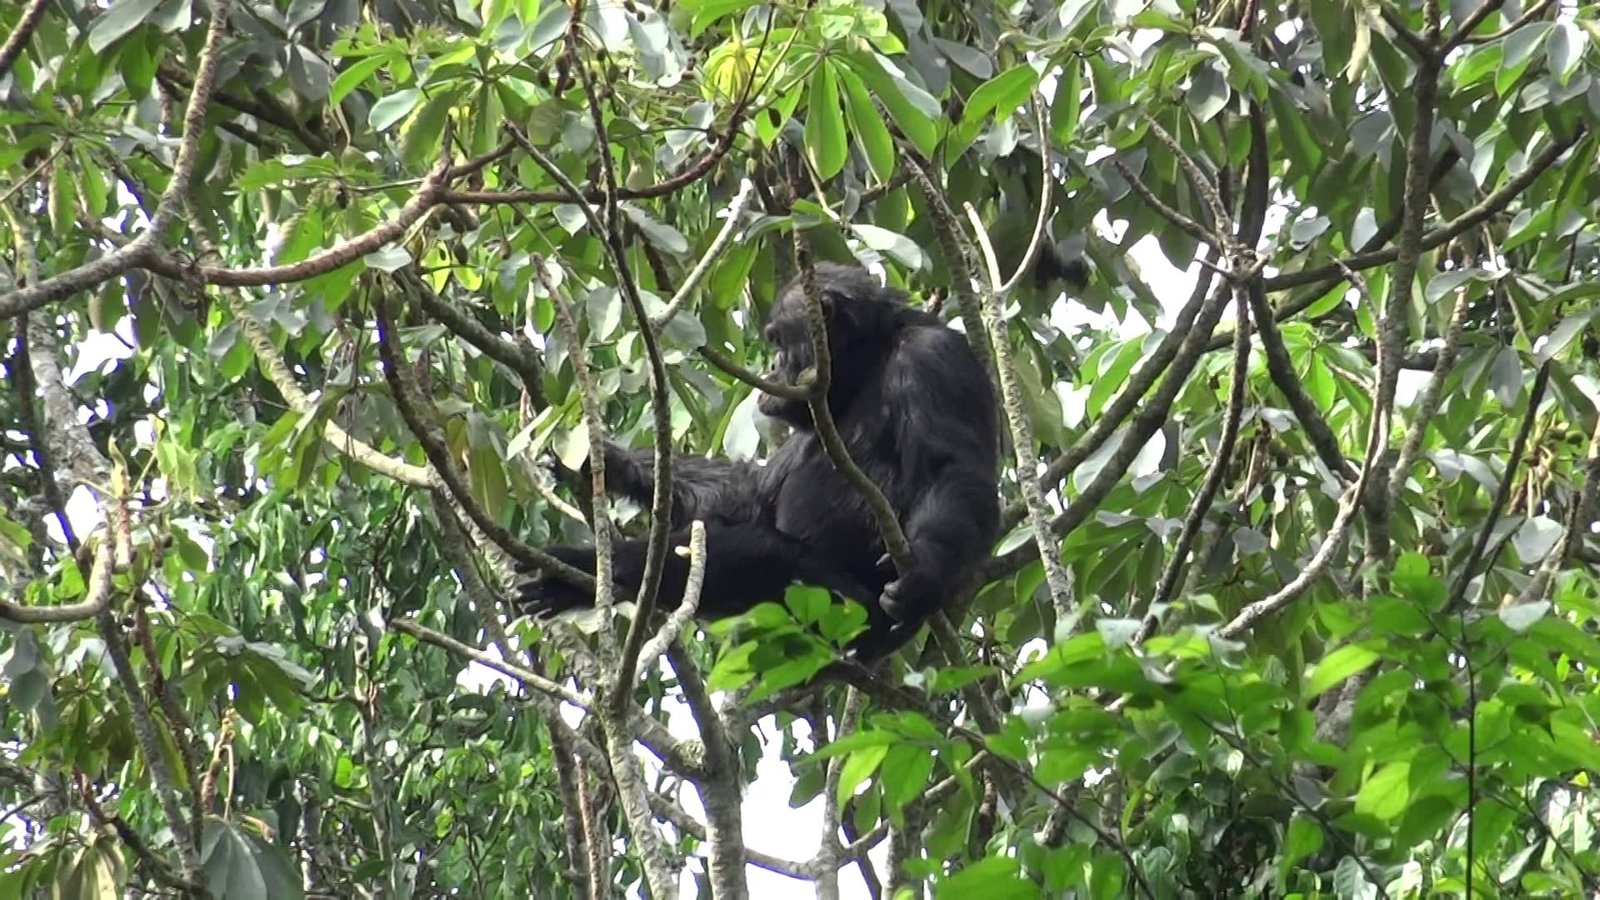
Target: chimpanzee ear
835, 304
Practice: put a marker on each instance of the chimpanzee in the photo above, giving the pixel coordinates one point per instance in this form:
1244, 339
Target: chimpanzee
915, 409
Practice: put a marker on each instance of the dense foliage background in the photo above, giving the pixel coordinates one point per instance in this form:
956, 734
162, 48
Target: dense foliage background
297, 296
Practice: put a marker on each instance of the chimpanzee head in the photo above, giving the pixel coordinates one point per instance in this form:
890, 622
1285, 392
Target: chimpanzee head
862, 318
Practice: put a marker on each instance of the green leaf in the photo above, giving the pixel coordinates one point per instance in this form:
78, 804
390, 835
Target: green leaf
1001, 95
702, 13
393, 108
121, 18
1067, 108
240, 866
1303, 838
1337, 666
353, 77
1565, 49
1386, 794
424, 133
858, 767
992, 878
906, 773
866, 126
63, 205
658, 233
1208, 92
903, 250
808, 604
825, 137
908, 105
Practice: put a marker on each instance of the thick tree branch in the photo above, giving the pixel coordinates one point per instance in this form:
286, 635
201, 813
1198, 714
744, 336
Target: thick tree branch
594, 424
194, 122
1281, 367
68, 438
96, 600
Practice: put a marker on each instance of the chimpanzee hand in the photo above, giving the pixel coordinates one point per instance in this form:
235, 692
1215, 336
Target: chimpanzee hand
547, 596
907, 592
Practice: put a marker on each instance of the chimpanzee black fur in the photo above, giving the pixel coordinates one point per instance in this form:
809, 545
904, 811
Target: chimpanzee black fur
916, 410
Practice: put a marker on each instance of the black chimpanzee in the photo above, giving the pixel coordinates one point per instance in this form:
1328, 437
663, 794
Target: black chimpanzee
915, 409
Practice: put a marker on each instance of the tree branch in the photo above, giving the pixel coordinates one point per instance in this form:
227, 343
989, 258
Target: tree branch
1474, 216
894, 537
20, 35
1144, 426
1502, 496
527, 677
518, 358
96, 600
1022, 441
444, 467
1178, 351
1167, 586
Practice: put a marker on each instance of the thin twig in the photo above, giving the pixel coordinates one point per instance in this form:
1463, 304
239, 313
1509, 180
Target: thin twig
958, 250
1041, 124
528, 677
594, 424
1432, 395
1502, 496
680, 617
692, 281
1221, 222
1022, 442
894, 537
1218, 473
1469, 24
1182, 222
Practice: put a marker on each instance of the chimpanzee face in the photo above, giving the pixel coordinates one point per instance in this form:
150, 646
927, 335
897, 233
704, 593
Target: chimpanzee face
788, 334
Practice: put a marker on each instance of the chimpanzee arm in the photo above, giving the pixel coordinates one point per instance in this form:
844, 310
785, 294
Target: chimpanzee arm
945, 431
745, 565
702, 488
